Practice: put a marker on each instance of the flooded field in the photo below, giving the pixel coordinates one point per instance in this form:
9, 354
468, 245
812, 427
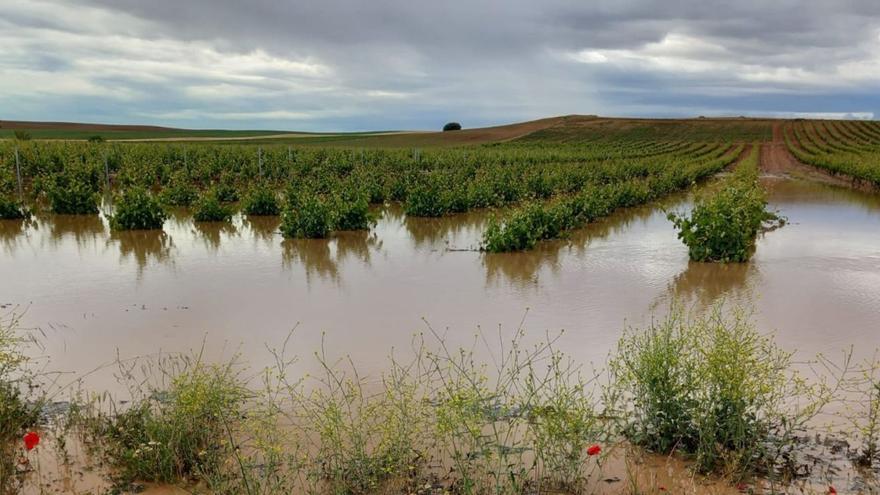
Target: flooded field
241, 287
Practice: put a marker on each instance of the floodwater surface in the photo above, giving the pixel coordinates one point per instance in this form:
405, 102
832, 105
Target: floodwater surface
240, 287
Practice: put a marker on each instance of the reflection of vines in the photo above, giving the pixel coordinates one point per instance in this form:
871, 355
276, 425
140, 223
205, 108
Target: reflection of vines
322, 257
429, 231
312, 254
522, 268
264, 229
83, 228
210, 232
12, 231
702, 284
144, 245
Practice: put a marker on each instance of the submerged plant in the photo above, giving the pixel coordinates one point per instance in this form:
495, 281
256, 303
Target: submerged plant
724, 224
306, 216
72, 193
137, 210
208, 208
179, 192
261, 201
352, 212
863, 411
11, 209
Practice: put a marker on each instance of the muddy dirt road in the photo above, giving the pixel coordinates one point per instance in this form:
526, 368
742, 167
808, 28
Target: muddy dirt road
777, 161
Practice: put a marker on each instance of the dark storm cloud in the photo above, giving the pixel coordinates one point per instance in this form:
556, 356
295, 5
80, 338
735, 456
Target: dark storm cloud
349, 64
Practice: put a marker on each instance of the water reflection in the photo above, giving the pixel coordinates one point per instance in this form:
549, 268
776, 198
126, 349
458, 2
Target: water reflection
806, 192
212, 233
356, 245
13, 233
816, 273
461, 231
313, 254
522, 269
263, 229
323, 258
701, 285
84, 229
144, 246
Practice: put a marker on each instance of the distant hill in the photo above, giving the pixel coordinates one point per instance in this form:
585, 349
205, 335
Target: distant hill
576, 128
77, 130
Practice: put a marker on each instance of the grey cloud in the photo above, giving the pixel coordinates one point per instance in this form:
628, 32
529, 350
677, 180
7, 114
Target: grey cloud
355, 64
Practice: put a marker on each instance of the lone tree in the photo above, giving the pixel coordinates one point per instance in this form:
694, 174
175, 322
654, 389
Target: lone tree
452, 126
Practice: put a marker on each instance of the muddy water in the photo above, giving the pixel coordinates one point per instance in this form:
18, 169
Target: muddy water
237, 288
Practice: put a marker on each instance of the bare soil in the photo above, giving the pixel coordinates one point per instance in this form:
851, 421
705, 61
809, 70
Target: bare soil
777, 161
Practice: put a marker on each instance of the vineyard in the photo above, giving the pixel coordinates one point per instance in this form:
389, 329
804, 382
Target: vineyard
847, 148
543, 184
567, 173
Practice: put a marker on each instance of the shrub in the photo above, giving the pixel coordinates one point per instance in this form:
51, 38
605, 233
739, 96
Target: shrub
137, 210
22, 135
208, 208
226, 192
96, 139
261, 201
521, 427
179, 191
352, 213
452, 126
520, 231
307, 216
72, 194
425, 200
723, 226
714, 388
11, 209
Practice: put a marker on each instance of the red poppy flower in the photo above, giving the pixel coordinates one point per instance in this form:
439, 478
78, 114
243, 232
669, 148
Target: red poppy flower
832, 491
31, 439
594, 450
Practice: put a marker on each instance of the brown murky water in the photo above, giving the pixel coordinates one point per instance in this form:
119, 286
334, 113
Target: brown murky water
239, 287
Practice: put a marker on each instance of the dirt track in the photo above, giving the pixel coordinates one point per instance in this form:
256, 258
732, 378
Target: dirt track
777, 161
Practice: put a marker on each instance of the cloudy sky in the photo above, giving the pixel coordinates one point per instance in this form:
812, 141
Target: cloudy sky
410, 64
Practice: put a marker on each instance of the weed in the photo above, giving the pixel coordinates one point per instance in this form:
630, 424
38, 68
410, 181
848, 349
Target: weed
20, 403
714, 388
174, 432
